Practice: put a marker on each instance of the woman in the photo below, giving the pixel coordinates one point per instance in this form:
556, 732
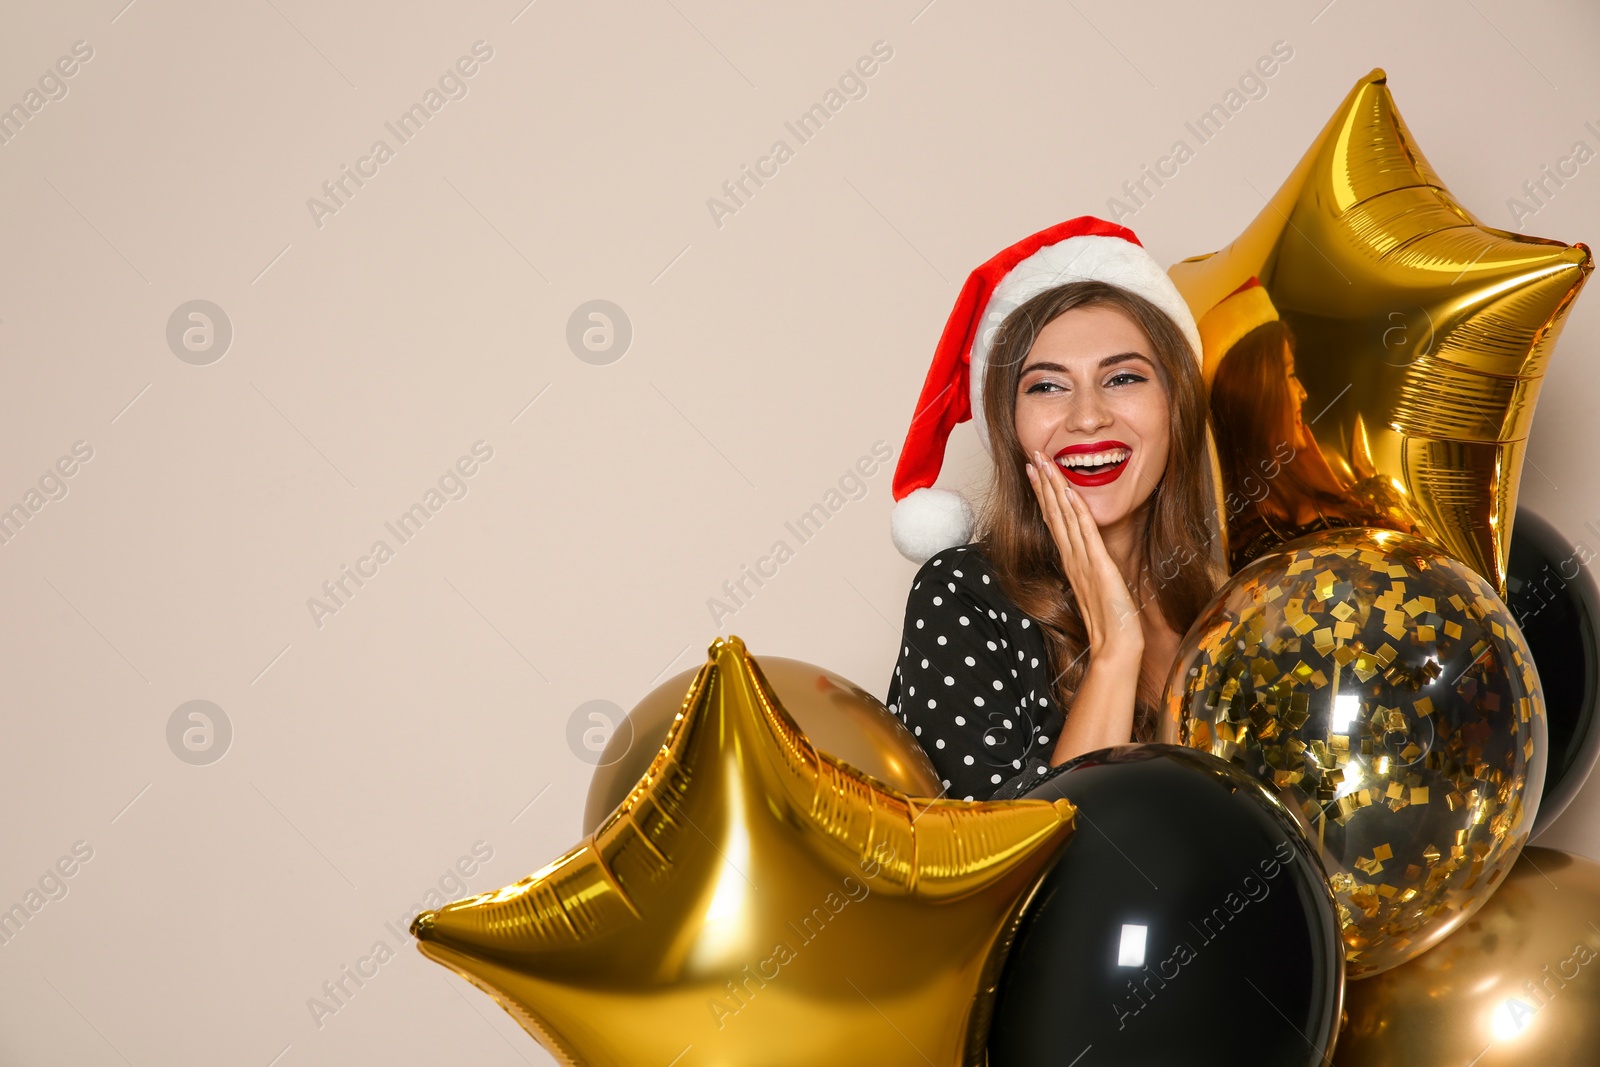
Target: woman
1052, 633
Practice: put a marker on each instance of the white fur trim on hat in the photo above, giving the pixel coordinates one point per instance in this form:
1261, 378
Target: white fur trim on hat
927, 521
1086, 258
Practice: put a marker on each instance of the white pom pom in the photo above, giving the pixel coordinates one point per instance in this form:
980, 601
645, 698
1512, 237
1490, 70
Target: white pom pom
928, 521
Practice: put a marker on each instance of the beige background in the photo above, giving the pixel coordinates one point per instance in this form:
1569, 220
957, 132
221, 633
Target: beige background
435, 709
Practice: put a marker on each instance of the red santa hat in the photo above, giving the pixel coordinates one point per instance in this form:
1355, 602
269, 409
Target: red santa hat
927, 520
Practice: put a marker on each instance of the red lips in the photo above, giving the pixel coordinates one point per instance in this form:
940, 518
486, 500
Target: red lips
1077, 477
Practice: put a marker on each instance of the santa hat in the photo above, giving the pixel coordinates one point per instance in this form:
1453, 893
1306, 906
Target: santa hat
1233, 316
927, 520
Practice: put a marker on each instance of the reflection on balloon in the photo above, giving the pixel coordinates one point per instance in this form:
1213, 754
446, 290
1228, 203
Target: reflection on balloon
1385, 689
836, 715
1375, 351
760, 903
1187, 923
1518, 983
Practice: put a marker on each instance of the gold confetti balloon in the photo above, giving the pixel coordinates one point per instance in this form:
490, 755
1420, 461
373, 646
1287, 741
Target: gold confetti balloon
753, 902
1374, 351
1385, 690
1518, 983
838, 716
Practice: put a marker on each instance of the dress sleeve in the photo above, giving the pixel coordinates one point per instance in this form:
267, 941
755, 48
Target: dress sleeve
959, 692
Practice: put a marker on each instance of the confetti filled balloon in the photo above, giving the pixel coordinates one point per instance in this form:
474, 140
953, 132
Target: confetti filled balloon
836, 715
1386, 690
1383, 368
1188, 923
755, 902
1518, 983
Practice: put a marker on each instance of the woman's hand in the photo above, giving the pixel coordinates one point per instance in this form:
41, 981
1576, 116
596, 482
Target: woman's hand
1109, 614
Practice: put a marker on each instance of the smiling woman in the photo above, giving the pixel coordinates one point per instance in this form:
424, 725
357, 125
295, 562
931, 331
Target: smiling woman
1052, 632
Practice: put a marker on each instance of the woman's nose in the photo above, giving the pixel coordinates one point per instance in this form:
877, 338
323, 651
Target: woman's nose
1086, 411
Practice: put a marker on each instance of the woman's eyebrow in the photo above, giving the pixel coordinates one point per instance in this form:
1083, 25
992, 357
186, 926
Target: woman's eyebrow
1120, 357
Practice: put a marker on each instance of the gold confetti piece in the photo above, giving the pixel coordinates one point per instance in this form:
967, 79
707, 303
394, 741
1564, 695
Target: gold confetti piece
1385, 653
1419, 795
1394, 791
1299, 565
1431, 854
1457, 602
1303, 625
1387, 890
1427, 604
1527, 749
1423, 705
1426, 633
1395, 571
1342, 610
1499, 631
1412, 607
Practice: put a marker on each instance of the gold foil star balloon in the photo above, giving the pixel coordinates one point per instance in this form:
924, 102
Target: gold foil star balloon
1384, 370
753, 902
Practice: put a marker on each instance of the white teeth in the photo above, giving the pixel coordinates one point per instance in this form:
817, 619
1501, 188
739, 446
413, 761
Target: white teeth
1094, 459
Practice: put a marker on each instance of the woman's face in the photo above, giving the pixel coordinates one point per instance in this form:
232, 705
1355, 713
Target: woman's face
1091, 379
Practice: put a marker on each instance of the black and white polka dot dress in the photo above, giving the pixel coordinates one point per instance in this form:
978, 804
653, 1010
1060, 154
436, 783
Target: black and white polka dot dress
973, 681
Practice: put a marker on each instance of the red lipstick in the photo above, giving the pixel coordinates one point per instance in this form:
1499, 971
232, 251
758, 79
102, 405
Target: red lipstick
1109, 473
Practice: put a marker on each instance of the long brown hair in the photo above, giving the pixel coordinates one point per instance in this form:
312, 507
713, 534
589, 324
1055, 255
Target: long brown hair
1174, 543
1253, 418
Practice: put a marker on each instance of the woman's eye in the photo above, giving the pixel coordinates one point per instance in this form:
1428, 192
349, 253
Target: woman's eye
1126, 376
1045, 386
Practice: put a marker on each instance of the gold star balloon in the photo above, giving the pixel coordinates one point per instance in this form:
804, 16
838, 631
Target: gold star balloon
754, 903
1374, 351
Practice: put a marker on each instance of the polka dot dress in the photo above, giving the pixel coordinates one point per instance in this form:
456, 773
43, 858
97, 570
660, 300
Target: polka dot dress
973, 681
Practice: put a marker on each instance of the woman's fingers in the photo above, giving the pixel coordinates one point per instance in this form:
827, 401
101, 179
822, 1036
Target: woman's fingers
1117, 600
1049, 507
1054, 509
1070, 516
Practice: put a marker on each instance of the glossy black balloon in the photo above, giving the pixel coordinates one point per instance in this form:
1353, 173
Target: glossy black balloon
1551, 593
1241, 961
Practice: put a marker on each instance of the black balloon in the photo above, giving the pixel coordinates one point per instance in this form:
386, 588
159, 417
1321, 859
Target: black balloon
1552, 596
1187, 923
